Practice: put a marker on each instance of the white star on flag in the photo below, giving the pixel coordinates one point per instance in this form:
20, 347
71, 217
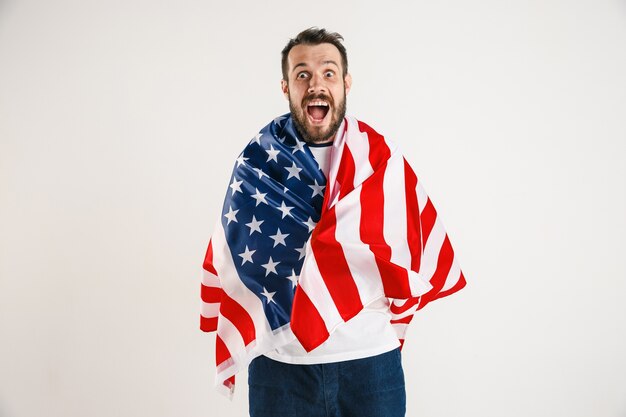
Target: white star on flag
272, 154
260, 172
255, 225
270, 266
294, 171
259, 197
299, 146
269, 296
286, 210
279, 238
257, 138
293, 278
241, 160
236, 185
231, 215
247, 255
301, 251
317, 189
310, 224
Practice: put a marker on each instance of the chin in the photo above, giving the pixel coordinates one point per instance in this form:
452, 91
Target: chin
314, 131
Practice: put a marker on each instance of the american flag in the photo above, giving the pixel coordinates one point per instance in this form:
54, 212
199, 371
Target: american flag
295, 256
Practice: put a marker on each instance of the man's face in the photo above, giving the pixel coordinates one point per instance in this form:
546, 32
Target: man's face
316, 90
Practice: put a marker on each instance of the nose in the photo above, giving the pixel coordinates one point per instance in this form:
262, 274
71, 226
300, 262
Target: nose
316, 84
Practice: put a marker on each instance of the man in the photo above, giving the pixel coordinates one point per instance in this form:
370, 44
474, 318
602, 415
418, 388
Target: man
326, 247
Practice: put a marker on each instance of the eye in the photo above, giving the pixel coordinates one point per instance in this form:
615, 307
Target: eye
302, 75
329, 74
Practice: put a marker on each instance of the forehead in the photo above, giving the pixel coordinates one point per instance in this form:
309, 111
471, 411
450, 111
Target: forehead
313, 55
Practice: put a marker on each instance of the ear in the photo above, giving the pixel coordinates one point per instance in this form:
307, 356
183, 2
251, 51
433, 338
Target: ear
285, 87
347, 80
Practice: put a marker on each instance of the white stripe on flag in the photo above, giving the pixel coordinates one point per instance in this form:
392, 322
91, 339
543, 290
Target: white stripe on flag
408, 312
422, 197
431, 250
400, 329
335, 159
453, 276
234, 287
209, 279
360, 150
359, 257
395, 226
313, 285
210, 310
231, 337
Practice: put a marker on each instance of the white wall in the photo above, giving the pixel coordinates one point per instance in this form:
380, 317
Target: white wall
119, 123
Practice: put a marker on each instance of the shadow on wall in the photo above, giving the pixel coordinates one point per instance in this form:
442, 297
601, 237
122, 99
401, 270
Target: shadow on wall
6, 6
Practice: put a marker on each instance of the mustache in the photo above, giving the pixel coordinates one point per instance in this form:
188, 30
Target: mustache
312, 97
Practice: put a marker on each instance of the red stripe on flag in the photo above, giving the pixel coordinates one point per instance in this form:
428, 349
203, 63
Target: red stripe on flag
373, 215
221, 351
210, 294
379, 152
403, 320
414, 235
311, 330
395, 279
427, 220
345, 174
334, 270
208, 259
239, 317
444, 263
208, 324
456, 287
395, 309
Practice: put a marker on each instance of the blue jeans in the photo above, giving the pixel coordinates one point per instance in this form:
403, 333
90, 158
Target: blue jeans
368, 387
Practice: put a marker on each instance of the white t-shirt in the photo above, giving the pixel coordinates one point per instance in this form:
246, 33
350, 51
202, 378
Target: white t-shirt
367, 334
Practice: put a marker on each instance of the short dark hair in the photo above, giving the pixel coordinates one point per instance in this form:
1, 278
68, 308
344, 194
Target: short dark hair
315, 36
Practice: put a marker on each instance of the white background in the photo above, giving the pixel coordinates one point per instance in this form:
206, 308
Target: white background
119, 124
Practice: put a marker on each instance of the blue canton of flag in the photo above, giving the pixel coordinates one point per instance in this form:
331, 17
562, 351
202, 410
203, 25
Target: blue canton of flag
273, 203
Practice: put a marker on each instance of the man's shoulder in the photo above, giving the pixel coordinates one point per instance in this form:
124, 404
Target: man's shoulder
364, 127
374, 138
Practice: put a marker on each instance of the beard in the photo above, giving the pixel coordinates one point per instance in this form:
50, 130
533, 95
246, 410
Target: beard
318, 134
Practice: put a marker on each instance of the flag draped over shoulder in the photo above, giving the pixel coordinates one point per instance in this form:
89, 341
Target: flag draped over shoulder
296, 256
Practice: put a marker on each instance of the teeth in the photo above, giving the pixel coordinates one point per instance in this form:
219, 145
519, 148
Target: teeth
318, 103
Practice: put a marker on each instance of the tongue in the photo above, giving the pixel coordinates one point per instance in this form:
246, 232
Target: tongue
318, 112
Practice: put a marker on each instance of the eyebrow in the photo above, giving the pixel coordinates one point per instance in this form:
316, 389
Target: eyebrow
303, 64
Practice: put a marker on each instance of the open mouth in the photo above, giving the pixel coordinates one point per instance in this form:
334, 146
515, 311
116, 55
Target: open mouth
317, 110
